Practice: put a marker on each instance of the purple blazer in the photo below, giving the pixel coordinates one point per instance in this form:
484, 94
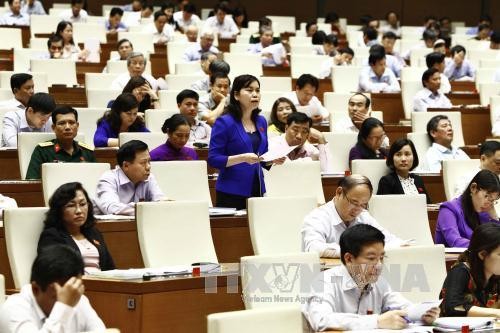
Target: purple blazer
105, 132
166, 152
452, 229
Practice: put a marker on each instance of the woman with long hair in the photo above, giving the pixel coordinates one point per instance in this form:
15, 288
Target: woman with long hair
282, 107
370, 138
70, 49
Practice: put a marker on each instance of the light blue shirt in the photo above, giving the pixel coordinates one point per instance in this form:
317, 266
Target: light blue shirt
370, 82
392, 62
10, 18
15, 122
455, 73
35, 9
194, 52
437, 153
426, 99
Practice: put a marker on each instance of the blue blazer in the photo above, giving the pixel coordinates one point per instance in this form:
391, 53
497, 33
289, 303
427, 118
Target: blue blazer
229, 138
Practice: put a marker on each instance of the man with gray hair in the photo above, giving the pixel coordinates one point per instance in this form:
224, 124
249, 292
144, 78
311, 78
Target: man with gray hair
194, 52
136, 64
192, 33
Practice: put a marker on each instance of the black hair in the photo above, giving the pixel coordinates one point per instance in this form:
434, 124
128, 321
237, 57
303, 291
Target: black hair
485, 180
116, 11
189, 8
434, 58
238, 11
136, 82
331, 17
485, 17
331, 39
367, 99
310, 24
389, 35
389, 13
365, 19
347, 50
17, 80
457, 49
123, 40
60, 28
64, 109
123, 103
56, 263
221, 6
366, 127
233, 108
376, 48
353, 239
187, 93
483, 26
42, 102
298, 118
74, 2
54, 39
219, 75
219, 66
171, 124
374, 57
158, 14
265, 21
495, 37
433, 123
397, 146
273, 119
64, 194
427, 74
370, 33
307, 79
429, 34
318, 38
128, 150
489, 148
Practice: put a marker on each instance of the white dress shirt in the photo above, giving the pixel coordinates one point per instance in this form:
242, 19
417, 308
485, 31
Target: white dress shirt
496, 78
340, 304
307, 152
323, 226
67, 15
195, 20
35, 9
13, 104
426, 99
194, 52
199, 132
227, 29
15, 122
314, 104
437, 153
22, 314
160, 37
370, 82
10, 18
121, 81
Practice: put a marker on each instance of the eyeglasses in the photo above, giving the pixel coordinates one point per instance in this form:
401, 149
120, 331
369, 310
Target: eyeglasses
490, 198
355, 204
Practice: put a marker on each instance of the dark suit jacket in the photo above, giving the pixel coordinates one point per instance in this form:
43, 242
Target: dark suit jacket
390, 184
52, 236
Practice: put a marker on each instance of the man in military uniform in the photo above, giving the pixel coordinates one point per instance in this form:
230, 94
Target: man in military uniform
64, 148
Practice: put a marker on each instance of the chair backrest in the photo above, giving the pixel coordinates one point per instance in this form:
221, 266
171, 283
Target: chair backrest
336, 101
283, 23
187, 67
182, 81
302, 49
373, 169
488, 90
26, 143
339, 145
280, 320
412, 73
22, 227
267, 99
453, 170
38, 42
11, 38
168, 99
6, 94
183, 180
3, 111
153, 140
408, 91
143, 42
494, 109
87, 120
345, 79
287, 214
85, 31
99, 98
42, 24
422, 143
275, 83
307, 64
2, 289
417, 54
419, 122
239, 47
22, 58
243, 63
181, 239
485, 75
154, 118
417, 272
298, 268
175, 51
101, 81
489, 63
398, 221
120, 66
59, 71
307, 180
57, 174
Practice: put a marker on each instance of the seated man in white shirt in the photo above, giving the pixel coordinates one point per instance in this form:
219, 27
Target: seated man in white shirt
329, 46
206, 60
36, 118
377, 77
76, 13
186, 17
343, 57
430, 96
22, 87
305, 100
161, 31
440, 133
212, 105
489, 159
187, 102
324, 225
353, 295
136, 64
297, 131
54, 299
14, 16
194, 52
222, 24
437, 60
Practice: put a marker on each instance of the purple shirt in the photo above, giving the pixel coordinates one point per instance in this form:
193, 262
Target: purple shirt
452, 229
105, 132
166, 152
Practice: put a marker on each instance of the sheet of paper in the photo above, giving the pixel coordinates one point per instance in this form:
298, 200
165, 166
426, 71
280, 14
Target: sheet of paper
457, 322
417, 310
455, 249
219, 211
113, 217
280, 152
138, 273
309, 110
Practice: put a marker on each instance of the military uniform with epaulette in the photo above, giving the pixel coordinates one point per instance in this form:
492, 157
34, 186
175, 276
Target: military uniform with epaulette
52, 152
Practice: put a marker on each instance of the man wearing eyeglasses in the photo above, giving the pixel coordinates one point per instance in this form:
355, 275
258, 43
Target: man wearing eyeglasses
324, 225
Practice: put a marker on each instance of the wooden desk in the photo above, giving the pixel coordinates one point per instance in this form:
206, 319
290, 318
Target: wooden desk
165, 305
460, 86
88, 67
76, 96
464, 98
159, 64
394, 131
391, 104
224, 44
277, 71
7, 60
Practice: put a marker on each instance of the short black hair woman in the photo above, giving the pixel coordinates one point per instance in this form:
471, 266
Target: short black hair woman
70, 220
370, 138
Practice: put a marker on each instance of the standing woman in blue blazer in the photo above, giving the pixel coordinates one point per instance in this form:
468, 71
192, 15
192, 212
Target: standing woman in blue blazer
239, 138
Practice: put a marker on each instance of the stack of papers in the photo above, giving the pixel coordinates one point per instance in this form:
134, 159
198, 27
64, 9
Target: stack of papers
448, 324
138, 273
113, 217
455, 249
221, 211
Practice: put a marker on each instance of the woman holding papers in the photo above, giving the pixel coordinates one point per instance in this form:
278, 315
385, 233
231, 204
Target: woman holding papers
282, 107
473, 284
370, 138
458, 218
70, 220
238, 139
